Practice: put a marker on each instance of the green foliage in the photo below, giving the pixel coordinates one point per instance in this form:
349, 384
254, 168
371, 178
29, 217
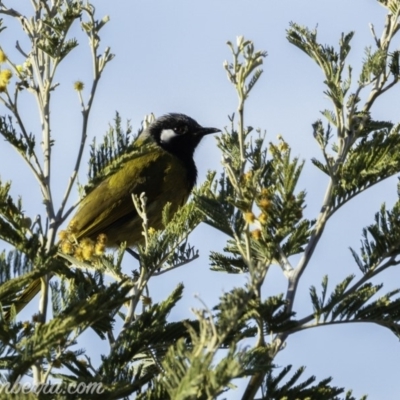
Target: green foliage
142, 343
25, 144
373, 159
113, 149
63, 328
381, 241
15, 227
274, 314
245, 65
193, 371
171, 244
331, 62
200, 379
374, 65
356, 304
268, 189
17, 270
393, 7
291, 390
56, 24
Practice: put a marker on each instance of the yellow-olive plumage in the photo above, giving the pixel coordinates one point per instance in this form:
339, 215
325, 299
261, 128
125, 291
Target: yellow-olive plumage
109, 207
165, 172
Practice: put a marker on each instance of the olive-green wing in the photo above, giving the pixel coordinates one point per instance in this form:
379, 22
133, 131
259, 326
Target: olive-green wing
157, 173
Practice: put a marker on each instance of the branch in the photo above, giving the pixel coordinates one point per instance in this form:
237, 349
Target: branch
99, 64
340, 322
295, 275
176, 266
365, 278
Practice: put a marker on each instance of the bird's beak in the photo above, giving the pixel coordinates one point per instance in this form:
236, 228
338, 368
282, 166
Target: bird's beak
207, 131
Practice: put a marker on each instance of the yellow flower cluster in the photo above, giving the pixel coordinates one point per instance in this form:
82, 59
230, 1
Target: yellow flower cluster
3, 57
281, 148
249, 217
5, 76
84, 250
265, 204
79, 86
151, 231
256, 234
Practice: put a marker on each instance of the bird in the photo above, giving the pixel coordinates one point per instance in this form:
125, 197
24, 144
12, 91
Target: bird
165, 172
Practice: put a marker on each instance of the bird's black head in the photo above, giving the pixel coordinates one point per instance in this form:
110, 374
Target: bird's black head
179, 135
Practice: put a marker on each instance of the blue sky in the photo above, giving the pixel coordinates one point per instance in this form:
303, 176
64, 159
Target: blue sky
169, 57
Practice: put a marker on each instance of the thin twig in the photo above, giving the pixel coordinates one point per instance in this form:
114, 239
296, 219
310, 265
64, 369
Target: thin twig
176, 266
377, 41
97, 71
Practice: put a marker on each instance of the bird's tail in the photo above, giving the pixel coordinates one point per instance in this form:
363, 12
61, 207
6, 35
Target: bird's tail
25, 297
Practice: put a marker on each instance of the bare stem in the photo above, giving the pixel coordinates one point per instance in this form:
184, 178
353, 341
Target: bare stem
98, 64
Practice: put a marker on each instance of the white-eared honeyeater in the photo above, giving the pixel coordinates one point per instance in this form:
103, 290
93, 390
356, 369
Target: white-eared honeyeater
165, 172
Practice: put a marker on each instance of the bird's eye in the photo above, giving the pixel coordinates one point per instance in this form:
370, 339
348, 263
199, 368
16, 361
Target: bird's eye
179, 129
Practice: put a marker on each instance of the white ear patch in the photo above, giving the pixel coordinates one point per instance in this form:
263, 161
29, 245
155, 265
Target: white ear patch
167, 135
